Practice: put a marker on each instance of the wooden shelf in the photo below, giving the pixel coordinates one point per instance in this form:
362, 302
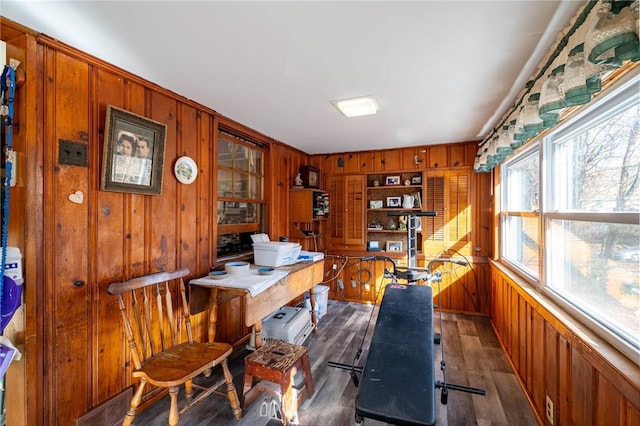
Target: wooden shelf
387, 231
394, 209
394, 186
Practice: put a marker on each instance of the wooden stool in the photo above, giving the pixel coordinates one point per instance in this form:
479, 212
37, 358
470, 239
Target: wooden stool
278, 362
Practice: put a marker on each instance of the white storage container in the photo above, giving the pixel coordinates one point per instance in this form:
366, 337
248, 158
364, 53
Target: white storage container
290, 324
275, 253
322, 298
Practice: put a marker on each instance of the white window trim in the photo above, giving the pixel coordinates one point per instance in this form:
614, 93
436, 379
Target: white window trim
626, 87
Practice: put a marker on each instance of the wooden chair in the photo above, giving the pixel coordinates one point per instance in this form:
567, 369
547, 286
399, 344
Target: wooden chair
154, 335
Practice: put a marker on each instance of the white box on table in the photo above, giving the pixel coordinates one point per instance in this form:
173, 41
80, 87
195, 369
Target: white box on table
274, 253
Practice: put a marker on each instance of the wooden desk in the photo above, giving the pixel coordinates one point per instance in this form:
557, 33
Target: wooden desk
302, 277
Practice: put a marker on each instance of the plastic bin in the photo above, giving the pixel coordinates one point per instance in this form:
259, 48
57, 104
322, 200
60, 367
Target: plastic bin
275, 253
322, 298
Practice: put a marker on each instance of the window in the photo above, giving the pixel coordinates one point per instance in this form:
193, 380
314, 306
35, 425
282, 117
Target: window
240, 192
521, 212
590, 215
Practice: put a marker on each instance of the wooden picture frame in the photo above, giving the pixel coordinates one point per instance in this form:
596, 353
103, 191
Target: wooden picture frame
392, 180
133, 153
395, 246
394, 202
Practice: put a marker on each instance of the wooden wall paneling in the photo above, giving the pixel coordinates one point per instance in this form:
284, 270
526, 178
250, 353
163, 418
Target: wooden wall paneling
482, 225
457, 155
137, 205
520, 337
609, 404
586, 387
288, 172
472, 151
407, 156
367, 162
437, 156
108, 214
582, 389
632, 415
352, 286
351, 162
316, 161
163, 210
206, 214
391, 160
206, 210
442, 293
274, 185
459, 290
69, 288
371, 161
187, 195
514, 321
187, 202
285, 171
496, 303
332, 162
366, 281
48, 227
537, 352
551, 373
565, 401
483, 278
329, 164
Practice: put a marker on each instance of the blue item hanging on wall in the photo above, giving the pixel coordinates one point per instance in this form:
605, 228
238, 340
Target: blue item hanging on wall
11, 300
8, 288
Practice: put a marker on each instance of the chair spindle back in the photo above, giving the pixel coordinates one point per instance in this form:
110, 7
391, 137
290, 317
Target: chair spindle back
150, 331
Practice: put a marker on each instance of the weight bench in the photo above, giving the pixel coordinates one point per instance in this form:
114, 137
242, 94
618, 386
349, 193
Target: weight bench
398, 381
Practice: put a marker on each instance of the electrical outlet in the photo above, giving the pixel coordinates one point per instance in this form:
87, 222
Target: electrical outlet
549, 410
340, 285
354, 284
334, 266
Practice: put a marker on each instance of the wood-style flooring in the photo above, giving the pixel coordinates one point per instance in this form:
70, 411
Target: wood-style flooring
473, 358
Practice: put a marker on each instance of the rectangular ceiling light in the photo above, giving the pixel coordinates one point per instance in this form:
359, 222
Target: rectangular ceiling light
356, 107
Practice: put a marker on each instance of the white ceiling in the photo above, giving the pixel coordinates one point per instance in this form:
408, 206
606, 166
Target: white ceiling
442, 71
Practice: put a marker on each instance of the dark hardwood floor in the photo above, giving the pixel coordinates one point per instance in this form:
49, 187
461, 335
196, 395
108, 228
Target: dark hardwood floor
473, 358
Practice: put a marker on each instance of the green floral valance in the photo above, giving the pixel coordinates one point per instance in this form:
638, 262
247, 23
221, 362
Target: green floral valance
600, 39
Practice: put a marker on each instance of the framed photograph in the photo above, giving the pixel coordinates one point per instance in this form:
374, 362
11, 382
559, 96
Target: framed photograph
133, 153
394, 245
417, 200
392, 180
393, 202
373, 246
416, 180
375, 204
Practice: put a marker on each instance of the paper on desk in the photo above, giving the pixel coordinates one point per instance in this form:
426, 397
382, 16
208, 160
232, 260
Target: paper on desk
252, 281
